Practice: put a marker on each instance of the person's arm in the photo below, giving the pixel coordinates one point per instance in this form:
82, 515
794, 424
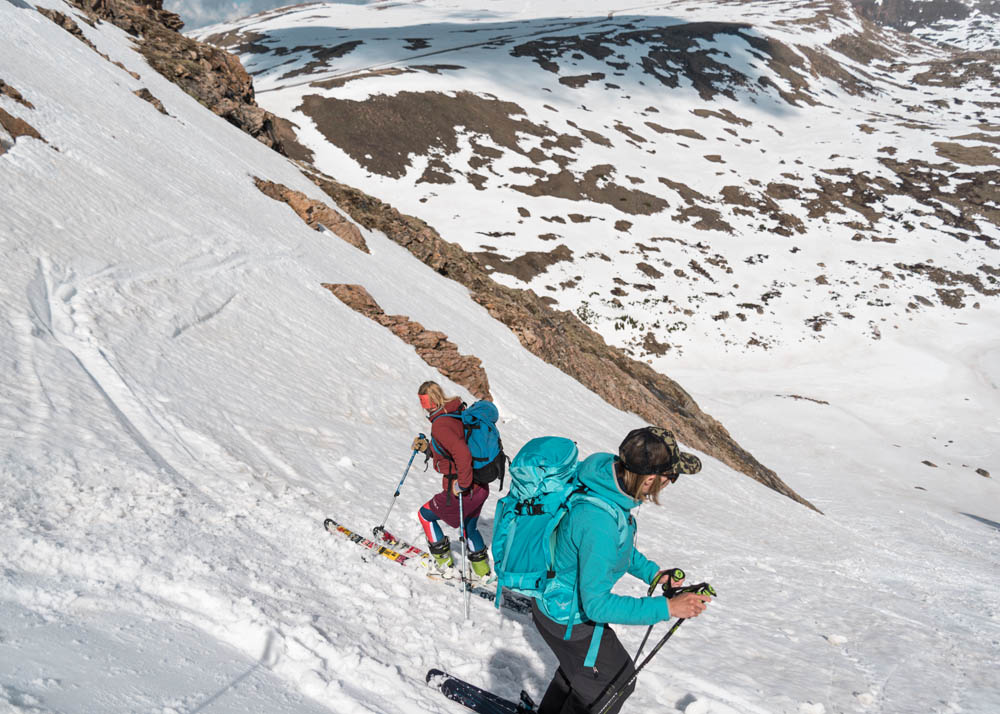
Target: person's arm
596, 534
642, 567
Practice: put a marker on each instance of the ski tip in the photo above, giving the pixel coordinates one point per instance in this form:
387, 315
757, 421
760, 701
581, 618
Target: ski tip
329, 523
433, 674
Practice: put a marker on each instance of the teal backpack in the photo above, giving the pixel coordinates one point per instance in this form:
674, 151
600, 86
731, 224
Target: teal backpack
543, 476
543, 487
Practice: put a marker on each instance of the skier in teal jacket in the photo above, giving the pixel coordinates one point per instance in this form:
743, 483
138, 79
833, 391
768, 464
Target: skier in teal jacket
595, 547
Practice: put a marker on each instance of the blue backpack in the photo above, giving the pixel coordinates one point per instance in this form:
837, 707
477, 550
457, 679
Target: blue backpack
483, 438
543, 476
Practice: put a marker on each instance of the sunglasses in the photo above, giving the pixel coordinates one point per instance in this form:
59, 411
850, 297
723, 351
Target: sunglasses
672, 476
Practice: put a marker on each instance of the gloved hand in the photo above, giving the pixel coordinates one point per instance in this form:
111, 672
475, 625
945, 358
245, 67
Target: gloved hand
420, 444
456, 489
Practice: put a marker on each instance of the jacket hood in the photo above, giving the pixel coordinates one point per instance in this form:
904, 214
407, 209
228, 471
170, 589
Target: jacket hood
597, 472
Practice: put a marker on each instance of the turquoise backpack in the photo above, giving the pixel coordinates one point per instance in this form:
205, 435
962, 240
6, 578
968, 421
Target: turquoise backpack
543, 486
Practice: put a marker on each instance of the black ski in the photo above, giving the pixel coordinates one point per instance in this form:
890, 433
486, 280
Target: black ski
476, 699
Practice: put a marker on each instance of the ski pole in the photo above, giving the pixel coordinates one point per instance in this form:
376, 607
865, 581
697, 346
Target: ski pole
465, 560
672, 575
700, 589
381, 528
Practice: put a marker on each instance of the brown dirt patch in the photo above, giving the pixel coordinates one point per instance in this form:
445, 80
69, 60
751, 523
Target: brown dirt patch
596, 185
382, 132
581, 80
526, 266
723, 114
961, 69
321, 55
967, 155
686, 192
686, 133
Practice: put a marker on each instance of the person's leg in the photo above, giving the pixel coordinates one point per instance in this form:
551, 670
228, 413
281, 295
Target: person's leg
588, 687
437, 542
476, 542
555, 695
614, 669
429, 521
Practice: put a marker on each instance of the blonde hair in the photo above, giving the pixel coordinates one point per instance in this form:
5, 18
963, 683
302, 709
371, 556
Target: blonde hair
631, 483
434, 391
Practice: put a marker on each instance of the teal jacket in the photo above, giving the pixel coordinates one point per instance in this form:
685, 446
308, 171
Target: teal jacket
595, 547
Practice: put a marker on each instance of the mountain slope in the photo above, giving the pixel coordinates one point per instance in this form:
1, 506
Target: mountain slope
183, 402
740, 176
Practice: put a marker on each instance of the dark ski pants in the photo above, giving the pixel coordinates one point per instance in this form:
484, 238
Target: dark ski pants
576, 689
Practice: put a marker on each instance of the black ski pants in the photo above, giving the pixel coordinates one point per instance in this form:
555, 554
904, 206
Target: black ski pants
576, 689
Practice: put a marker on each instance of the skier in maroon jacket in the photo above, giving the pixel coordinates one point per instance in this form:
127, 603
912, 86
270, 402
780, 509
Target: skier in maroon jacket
454, 462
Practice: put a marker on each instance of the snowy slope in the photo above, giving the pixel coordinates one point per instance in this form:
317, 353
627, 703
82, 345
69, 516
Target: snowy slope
740, 174
182, 404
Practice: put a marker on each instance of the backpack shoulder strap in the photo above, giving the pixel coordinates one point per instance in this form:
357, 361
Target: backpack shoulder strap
585, 495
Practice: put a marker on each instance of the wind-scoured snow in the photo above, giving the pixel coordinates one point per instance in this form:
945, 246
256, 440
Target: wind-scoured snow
182, 404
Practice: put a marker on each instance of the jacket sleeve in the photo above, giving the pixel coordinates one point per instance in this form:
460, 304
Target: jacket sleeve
642, 567
596, 533
450, 433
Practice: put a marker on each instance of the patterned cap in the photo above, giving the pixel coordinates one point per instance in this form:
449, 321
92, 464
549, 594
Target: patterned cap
654, 450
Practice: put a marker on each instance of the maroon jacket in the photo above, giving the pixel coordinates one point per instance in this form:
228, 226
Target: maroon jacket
449, 433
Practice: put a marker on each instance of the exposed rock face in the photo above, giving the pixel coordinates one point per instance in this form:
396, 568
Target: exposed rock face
561, 339
315, 213
213, 77
146, 95
14, 128
9, 91
433, 347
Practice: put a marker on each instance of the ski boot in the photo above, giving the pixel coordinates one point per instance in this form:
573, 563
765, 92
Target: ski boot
443, 563
480, 562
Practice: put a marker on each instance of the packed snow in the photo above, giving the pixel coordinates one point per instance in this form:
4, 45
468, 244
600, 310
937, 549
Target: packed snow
183, 404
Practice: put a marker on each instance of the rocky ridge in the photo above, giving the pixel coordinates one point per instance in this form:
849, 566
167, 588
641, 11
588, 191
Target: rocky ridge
556, 336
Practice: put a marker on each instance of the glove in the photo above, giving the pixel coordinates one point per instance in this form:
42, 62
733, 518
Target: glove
420, 444
458, 490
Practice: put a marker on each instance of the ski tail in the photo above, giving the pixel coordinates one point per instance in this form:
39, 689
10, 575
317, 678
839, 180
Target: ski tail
475, 698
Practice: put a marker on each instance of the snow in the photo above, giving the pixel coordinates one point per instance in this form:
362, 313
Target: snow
182, 404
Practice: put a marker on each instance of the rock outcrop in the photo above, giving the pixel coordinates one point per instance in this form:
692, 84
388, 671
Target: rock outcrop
316, 214
433, 347
212, 76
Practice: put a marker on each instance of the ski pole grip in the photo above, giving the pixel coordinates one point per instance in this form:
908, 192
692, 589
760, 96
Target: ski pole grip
699, 589
663, 579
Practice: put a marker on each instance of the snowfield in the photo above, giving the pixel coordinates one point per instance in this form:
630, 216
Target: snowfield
182, 404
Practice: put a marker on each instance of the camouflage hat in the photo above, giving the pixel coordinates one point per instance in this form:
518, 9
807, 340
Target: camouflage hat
653, 450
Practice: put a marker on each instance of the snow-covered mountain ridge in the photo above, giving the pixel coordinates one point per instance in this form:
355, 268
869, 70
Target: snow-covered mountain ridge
745, 175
